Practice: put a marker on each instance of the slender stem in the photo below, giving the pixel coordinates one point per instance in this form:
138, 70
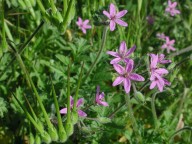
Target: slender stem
53, 7
78, 85
185, 128
116, 110
153, 110
99, 53
132, 118
68, 94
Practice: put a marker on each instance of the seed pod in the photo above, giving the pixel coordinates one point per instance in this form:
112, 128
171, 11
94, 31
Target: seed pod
69, 129
53, 133
104, 120
46, 137
75, 117
37, 139
31, 138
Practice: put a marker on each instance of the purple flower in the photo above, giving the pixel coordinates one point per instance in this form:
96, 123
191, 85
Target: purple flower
83, 25
171, 8
168, 45
79, 103
114, 17
123, 53
160, 83
161, 36
157, 73
161, 58
126, 75
99, 98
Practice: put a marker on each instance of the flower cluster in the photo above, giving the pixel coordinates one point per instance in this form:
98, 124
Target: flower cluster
113, 16
125, 74
157, 73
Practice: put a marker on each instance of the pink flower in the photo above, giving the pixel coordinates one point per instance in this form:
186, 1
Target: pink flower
171, 8
79, 103
160, 83
161, 58
99, 98
126, 75
168, 45
123, 53
83, 25
161, 36
157, 73
114, 17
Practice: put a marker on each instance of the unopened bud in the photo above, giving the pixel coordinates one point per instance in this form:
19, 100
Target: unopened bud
139, 96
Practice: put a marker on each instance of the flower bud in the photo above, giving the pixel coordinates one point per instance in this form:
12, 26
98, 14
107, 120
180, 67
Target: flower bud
139, 96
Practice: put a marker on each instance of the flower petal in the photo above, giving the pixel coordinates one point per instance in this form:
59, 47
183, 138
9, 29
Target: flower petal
153, 84
112, 10
119, 69
118, 80
120, 22
160, 86
101, 96
127, 85
98, 90
131, 50
104, 103
71, 101
85, 22
82, 113
129, 66
106, 14
80, 102
136, 77
87, 26
115, 60
121, 14
123, 48
161, 71
63, 111
115, 54
112, 25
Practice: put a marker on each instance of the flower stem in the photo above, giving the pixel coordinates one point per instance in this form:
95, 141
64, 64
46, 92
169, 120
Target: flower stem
132, 118
99, 53
154, 110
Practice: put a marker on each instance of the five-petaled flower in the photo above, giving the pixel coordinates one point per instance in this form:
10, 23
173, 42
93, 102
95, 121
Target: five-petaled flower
79, 103
168, 45
123, 53
83, 25
126, 75
172, 8
99, 98
114, 17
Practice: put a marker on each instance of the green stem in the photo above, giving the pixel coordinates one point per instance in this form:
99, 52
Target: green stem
132, 118
68, 95
78, 85
62, 133
99, 53
153, 110
53, 7
175, 133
